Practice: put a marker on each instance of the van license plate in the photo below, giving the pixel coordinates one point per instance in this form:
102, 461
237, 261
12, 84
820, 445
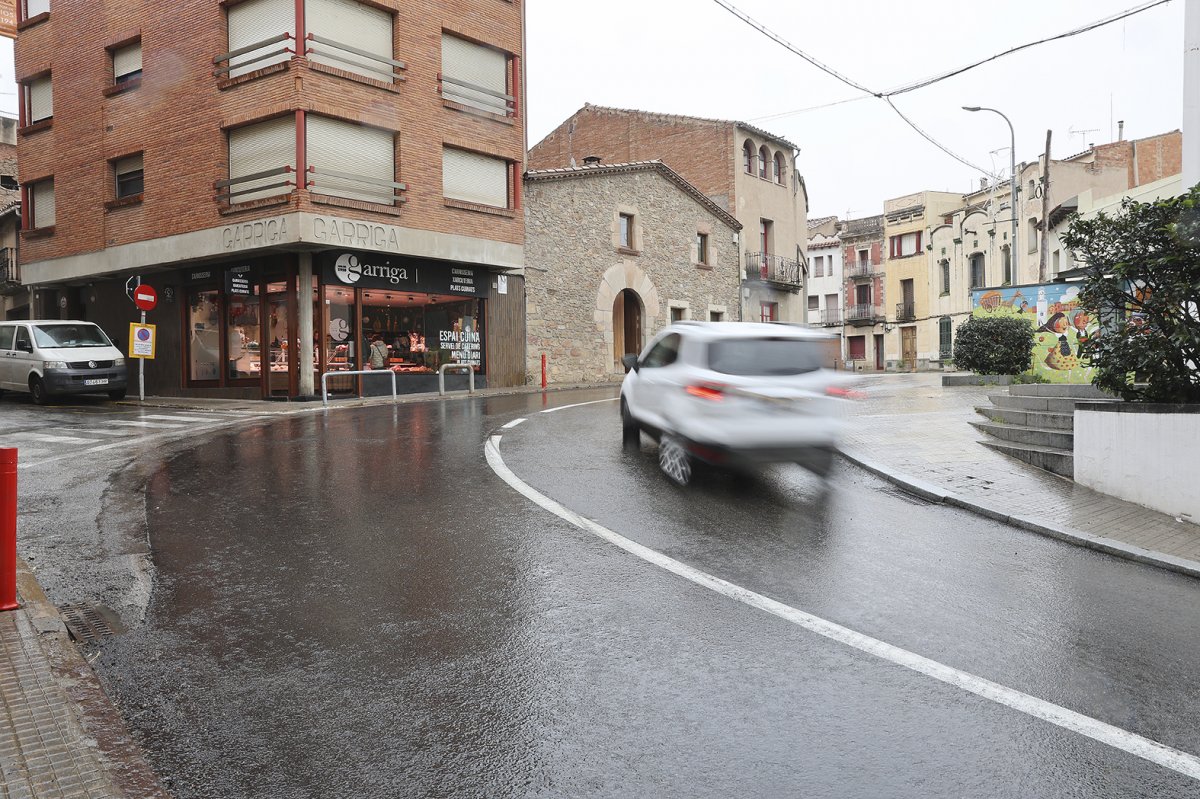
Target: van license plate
101, 381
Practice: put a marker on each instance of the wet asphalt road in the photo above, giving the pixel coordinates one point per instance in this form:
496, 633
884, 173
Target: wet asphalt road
356, 605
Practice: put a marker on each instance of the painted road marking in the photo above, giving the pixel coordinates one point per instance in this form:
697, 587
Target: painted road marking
578, 405
1137, 745
149, 424
111, 433
177, 418
512, 424
46, 438
174, 433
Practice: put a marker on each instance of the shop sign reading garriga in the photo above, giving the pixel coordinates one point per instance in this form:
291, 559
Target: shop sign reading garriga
375, 271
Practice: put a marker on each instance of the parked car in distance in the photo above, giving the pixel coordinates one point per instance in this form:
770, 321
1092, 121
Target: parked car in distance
734, 394
52, 357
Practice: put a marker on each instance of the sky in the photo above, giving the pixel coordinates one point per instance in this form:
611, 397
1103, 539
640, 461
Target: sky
694, 57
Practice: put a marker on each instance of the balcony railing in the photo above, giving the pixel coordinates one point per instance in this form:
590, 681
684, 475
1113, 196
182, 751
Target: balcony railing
226, 63
774, 269
861, 269
10, 270
864, 313
372, 65
355, 187
831, 317
473, 96
230, 196
905, 312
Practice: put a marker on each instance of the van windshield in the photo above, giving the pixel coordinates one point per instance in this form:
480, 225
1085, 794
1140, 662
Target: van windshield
764, 356
69, 336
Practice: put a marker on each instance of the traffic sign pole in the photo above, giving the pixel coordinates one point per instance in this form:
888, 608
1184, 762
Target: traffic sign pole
142, 371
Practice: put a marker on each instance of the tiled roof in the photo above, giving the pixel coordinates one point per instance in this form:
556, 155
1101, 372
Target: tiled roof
812, 223
589, 170
753, 129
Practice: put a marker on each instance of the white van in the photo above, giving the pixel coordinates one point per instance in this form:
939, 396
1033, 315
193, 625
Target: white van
47, 357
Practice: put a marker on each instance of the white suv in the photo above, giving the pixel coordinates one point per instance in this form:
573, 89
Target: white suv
734, 394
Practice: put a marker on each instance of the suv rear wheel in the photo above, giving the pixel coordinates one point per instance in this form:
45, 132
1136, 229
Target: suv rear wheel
630, 429
674, 460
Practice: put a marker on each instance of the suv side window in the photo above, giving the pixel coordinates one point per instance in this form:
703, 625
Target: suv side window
6, 336
24, 343
664, 352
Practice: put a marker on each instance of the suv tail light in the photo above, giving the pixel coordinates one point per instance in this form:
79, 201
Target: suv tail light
714, 392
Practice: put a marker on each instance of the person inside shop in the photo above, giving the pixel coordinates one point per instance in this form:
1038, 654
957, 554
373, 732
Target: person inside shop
377, 356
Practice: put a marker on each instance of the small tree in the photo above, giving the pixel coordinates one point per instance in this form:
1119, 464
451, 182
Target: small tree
994, 345
1143, 281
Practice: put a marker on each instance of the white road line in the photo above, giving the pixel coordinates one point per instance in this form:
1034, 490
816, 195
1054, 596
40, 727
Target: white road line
110, 433
141, 440
578, 405
150, 424
512, 424
46, 438
1140, 746
172, 418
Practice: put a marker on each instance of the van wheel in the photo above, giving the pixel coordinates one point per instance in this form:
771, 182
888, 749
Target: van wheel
38, 389
116, 394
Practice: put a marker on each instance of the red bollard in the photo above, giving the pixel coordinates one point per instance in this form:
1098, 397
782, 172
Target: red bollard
543, 370
8, 529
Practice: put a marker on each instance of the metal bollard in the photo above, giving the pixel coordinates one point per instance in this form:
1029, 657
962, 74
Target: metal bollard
543, 370
8, 529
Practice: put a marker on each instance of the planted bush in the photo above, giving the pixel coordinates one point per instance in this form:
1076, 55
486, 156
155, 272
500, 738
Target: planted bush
997, 345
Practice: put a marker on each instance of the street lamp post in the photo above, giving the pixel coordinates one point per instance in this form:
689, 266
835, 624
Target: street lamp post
1012, 165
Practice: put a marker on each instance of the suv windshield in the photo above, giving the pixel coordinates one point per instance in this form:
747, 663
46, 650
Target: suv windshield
764, 356
69, 336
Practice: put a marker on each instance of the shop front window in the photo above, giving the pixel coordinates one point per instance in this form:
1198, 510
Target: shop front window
204, 335
276, 336
242, 351
420, 332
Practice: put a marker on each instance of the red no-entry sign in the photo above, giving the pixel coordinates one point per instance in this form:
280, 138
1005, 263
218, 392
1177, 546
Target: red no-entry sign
145, 298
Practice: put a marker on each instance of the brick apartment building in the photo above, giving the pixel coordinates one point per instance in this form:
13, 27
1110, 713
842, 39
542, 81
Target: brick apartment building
862, 264
295, 177
744, 170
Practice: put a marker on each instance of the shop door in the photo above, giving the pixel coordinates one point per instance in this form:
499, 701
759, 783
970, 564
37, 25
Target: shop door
279, 341
908, 346
878, 352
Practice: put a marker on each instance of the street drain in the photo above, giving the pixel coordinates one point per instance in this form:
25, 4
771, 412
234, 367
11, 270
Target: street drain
911, 499
88, 623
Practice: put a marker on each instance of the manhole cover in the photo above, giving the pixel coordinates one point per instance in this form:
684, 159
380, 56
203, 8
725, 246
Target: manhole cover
911, 499
89, 623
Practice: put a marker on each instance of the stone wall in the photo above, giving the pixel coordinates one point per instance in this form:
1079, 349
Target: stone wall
575, 269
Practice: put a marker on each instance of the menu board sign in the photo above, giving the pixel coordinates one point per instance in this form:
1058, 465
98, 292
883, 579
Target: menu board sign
239, 280
371, 270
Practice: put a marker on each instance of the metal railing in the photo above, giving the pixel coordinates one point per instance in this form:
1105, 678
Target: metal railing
774, 269
905, 312
385, 69
442, 376
831, 316
325, 381
859, 313
228, 59
10, 270
228, 195
861, 269
338, 187
474, 96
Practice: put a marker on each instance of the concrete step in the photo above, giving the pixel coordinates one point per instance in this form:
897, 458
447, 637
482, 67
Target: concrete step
1058, 461
1028, 436
1045, 420
1082, 392
1055, 404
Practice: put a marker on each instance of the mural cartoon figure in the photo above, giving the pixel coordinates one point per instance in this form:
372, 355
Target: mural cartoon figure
1080, 322
1059, 355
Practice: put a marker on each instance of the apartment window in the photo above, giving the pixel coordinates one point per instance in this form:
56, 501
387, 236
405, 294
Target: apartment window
716, 316
351, 36
41, 204
945, 265
831, 302
127, 63
476, 76
778, 170
254, 30
766, 235
677, 313
814, 303
864, 256
764, 158
475, 178
267, 149
748, 157
353, 161
31, 8
625, 231
862, 294
1032, 237
39, 100
945, 337
130, 178
1006, 254
702, 248
1055, 257
768, 311
978, 273
905, 245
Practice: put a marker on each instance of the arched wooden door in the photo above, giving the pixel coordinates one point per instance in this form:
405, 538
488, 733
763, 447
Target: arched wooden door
627, 325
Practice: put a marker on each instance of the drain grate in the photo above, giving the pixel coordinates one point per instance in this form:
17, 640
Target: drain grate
911, 499
86, 623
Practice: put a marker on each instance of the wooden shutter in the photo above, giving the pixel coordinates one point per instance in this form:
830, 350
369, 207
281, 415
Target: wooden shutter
478, 65
259, 148
41, 99
43, 203
127, 60
255, 21
348, 148
474, 178
355, 25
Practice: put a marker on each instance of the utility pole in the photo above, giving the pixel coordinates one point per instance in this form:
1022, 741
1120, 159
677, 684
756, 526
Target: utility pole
1191, 94
1045, 210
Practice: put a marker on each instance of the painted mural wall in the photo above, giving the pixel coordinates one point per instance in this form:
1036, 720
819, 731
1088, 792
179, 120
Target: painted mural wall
1059, 324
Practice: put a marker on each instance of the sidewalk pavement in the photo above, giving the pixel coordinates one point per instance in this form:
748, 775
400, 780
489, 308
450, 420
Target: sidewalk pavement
60, 736
916, 433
